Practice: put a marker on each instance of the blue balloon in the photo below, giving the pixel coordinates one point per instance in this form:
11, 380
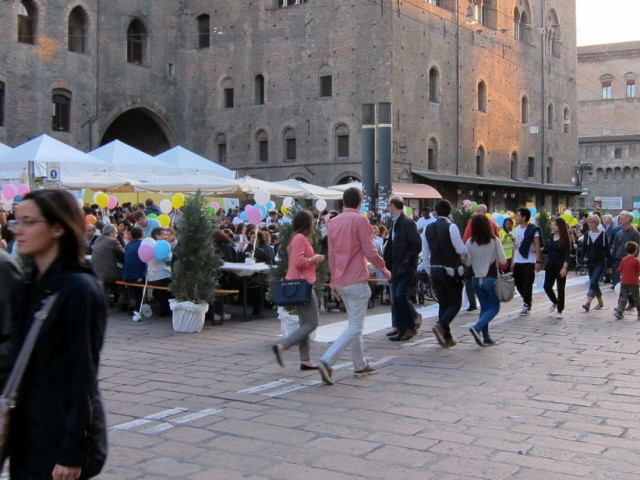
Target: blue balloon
243, 216
271, 205
263, 210
161, 249
500, 220
17, 198
363, 208
533, 211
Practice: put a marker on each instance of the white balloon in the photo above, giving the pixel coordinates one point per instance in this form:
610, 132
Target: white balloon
568, 212
262, 196
287, 202
165, 206
148, 241
80, 202
321, 204
95, 195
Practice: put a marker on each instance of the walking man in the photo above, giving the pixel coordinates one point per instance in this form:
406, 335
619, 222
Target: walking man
441, 249
526, 259
350, 246
625, 234
401, 258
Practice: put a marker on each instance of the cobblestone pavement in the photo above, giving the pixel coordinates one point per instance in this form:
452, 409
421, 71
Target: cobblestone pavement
554, 400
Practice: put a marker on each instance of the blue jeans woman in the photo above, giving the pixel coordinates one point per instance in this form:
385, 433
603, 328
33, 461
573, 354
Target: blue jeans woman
489, 305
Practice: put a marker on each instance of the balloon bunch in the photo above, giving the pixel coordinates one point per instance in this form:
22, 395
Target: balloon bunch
150, 249
105, 201
11, 192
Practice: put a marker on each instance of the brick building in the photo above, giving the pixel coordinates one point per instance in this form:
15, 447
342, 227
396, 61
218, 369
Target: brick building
609, 125
482, 92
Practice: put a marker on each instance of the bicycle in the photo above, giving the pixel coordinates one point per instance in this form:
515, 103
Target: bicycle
425, 289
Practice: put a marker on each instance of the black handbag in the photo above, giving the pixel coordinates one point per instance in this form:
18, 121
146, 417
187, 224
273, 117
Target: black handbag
291, 292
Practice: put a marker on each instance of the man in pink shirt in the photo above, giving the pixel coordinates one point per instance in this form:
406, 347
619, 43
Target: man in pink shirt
350, 246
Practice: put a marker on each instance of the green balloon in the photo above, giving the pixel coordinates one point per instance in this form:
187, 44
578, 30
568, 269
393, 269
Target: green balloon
152, 215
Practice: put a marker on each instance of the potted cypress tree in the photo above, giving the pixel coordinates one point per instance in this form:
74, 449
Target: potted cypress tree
195, 273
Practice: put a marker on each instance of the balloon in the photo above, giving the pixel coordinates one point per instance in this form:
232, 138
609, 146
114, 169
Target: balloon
243, 216
152, 215
501, 212
215, 205
285, 211
262, 196
567, 212
23, 189
90, 220
254, 216
17, 198
287, 202
211, 211
248, 207
164, 220
9, 191
165, 205
113, 202
635, 221
161, 249
635, 213
321, 205
474, 206
95, 196
148, 241
363, 208
263, 211
488, 215
270, 205
102, 199
534, 211
566, 217
466, 203
177, 201
500, 220
146, 253
80, 202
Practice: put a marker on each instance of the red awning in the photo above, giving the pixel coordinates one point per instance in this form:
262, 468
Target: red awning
415, 190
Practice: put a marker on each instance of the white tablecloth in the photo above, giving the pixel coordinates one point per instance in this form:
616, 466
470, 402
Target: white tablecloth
245, 269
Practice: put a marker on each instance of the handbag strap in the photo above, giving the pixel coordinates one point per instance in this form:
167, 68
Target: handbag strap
11, 387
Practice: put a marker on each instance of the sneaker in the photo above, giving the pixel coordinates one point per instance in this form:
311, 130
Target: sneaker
559, 316
471, 309
450, 342
476, 336
367, 370
552, 308
417, 320
488, 342
525, 311
438, 332
325, 373
618, 315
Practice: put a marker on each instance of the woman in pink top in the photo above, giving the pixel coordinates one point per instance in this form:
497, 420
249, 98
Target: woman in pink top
302, 264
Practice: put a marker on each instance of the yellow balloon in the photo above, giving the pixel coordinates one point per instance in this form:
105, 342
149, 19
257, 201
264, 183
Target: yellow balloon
177, 201
574, 222
164, 220
102, 199
488, 215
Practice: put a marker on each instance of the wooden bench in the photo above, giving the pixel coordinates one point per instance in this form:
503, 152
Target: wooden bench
157, 287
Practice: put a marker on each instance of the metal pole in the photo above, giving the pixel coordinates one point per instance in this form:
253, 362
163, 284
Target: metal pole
384, 154
368, 154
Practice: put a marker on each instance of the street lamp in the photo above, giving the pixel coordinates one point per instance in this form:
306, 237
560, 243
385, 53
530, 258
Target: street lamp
580, 169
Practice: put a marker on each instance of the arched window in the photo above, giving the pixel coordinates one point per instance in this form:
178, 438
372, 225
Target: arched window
27, 22
513, 167
524, 110
341, 141
432, 155
489, 14
136, 42
262, 143
482, 96
434, 85
325, 82
204, 31
227, 94
289, 141
258, 90
550, 117
566, 123
617, 152
480, 161
77, 30
554, 34
517, 26
61, 110
525, 27
221, 148
630, 81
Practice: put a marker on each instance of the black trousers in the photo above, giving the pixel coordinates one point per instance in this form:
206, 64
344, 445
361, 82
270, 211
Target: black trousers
524, 275
551, 277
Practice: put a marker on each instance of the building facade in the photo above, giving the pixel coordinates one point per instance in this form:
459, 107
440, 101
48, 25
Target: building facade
482, 93
609, 125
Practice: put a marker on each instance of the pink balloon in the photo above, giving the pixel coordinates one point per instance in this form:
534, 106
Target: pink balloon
23, 189
113, 202
146, 253
254, 216
215, 205
9, 191
248, 208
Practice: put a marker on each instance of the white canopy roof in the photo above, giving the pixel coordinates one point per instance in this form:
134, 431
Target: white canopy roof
128, 161
105, 181
43, 149
250, 185
191, 183
4, 148
188, 162
312, 191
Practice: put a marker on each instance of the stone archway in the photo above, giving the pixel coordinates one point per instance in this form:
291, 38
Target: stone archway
140, 128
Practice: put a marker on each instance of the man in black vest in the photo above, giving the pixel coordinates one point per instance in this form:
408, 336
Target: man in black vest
401, 258
441, 247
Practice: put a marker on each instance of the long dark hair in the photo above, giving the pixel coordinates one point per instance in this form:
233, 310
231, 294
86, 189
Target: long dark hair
303, 223
59, 207
563, 231
481, 231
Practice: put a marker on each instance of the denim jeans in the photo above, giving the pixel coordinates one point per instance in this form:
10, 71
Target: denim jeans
595, 272
449, 293
489, 303
402, 310
356, 299
308, 315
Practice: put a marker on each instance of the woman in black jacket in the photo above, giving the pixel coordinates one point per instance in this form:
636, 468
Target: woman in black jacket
58, 425
558, 250
597, 254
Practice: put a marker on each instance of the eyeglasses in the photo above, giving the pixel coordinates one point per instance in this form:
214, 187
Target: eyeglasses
15, 224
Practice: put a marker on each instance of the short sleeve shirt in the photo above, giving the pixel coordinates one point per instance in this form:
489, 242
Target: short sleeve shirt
519, 236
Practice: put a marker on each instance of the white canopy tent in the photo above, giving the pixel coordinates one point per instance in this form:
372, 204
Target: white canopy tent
187, 162
42, 150
125, 160
312, 191
105, 181
209, 184
250, 185
406, 190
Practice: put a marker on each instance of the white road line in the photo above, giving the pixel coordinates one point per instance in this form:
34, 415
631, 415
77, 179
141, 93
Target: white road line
181, 420
266, 386
143, 421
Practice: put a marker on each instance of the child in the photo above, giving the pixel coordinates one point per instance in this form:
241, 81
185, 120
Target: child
629, 279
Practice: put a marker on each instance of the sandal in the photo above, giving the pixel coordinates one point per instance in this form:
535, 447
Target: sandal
599, 306
586, 307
